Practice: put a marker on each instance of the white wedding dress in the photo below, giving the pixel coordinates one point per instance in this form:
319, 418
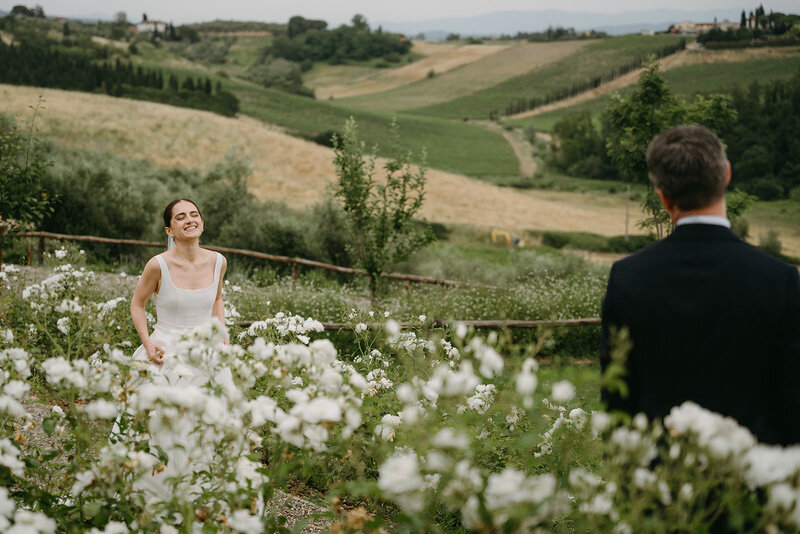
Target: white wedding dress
179, 311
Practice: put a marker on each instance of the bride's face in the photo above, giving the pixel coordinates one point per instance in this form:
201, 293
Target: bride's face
186, 222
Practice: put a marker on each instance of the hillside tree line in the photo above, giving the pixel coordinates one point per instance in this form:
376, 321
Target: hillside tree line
763, 142
311, 40
757, 28
37, 63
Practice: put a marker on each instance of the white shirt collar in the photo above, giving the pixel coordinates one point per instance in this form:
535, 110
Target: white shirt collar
704, 219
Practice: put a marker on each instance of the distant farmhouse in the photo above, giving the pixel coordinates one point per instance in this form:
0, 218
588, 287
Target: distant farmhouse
151, 26
696, 28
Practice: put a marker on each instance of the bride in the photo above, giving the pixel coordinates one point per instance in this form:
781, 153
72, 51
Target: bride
186, 285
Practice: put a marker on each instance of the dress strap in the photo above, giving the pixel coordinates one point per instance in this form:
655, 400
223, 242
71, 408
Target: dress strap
217, 269
164, 271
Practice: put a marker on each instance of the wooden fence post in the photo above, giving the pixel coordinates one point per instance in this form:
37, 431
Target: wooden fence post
294, 274
30, 253
41, 250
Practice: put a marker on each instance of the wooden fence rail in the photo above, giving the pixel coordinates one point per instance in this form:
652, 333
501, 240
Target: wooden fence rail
482, 324
295, 262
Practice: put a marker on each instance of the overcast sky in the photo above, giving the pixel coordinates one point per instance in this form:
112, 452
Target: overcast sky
337, 12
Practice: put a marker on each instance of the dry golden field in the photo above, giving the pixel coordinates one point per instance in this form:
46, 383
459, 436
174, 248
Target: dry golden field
455, 80
297, 171
285, 168
338, 82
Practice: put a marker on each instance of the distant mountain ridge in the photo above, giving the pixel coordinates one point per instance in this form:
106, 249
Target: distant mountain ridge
511, 22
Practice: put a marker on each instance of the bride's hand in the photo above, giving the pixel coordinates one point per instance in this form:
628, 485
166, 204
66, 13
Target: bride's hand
155, 353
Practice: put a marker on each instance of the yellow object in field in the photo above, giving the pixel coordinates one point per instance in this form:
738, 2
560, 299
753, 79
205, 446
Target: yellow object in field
497, 235
504, 238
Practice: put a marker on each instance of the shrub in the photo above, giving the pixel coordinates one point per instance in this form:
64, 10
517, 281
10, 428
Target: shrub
771, 243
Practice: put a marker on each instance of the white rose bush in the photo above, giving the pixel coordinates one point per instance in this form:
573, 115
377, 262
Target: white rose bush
404, 430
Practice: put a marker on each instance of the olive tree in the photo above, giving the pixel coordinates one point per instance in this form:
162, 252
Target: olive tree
649, 110
379, 212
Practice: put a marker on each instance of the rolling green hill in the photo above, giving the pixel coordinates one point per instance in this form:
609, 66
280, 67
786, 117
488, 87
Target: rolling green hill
702, 77
597, 59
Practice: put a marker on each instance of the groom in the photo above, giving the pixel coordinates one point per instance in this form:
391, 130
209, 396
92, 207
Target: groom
712, 319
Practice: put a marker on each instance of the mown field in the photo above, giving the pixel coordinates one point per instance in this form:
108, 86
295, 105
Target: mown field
342, 81
507, 61
595, 59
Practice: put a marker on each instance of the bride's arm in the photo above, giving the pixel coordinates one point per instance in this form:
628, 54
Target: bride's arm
148, 283
218, 311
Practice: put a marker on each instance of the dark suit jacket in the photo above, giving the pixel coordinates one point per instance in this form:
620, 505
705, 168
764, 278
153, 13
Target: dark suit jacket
712, 320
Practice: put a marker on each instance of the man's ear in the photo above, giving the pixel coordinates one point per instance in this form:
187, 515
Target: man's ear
669, 205
729, 174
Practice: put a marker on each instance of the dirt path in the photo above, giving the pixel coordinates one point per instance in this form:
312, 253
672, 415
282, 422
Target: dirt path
523, 149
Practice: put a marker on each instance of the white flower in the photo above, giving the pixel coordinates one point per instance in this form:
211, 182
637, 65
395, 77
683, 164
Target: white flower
643, 478
82, 481
26, 522
491, 362
9, 457
723, 436
526, 379
7, 336
422, 318
360, 327
770, 464
113, 527
600, 422
17, 389
600, 504
461, 330
61, 253
387, 427
406, 393
392, 328
482, 400
511, 487
399, 479
450, 438
63, 325
686, 493
243, 521
319, 410
101, 409
563, 391
11, 407
69, 306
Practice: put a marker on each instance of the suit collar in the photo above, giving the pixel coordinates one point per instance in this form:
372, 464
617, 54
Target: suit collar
702, 231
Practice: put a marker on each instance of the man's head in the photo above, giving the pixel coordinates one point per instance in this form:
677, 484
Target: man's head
689, 166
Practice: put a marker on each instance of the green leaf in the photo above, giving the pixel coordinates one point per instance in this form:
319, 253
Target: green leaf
49, 425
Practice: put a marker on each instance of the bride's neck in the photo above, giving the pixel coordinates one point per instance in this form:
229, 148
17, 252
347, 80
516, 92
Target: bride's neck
188, 251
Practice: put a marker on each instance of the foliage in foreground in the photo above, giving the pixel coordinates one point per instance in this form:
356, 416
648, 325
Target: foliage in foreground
425, 430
